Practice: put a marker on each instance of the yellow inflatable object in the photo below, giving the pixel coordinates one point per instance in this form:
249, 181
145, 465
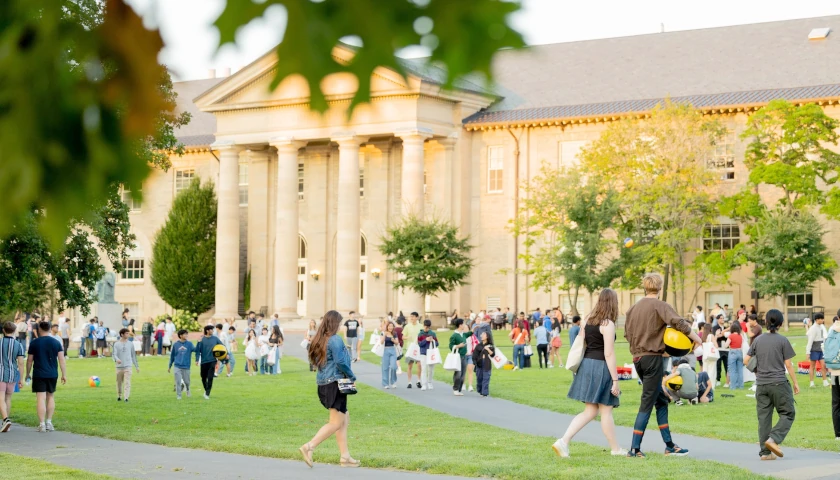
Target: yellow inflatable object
677, 344
220, 352
675, 383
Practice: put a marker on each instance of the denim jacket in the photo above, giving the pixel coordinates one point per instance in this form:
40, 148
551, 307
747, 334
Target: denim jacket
338, 363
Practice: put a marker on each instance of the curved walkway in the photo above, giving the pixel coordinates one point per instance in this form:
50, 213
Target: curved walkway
798, 464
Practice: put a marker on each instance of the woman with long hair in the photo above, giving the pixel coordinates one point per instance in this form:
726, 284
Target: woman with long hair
736, 357
483, 357
596, 381
328, 353
773, 354
310, 334
389, 356
709, 364
275, 341
252, 352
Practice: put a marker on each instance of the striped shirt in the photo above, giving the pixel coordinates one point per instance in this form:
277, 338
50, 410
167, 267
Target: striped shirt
10, 351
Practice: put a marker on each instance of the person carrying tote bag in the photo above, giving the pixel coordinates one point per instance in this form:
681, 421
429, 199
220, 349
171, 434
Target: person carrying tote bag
576, 352
427, 340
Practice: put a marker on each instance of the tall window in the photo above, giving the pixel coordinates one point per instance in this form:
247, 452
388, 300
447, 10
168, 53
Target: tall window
183, 178
495, 168
569, 152
300, 180
243, 184
800, 300
133, 205
723, 163
721, 237
362, 182
301, 279
134, 265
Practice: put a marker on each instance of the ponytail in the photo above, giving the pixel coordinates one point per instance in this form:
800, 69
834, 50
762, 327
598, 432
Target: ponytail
774, 320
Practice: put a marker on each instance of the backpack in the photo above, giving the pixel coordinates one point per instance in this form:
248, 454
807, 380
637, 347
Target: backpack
831, 350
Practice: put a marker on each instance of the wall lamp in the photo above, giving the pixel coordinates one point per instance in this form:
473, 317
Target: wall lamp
376, 273
315, 274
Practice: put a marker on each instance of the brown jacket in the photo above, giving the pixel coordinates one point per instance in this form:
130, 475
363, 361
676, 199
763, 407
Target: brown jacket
645, 326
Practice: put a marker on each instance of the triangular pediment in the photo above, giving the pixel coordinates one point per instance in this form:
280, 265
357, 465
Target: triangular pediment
250, 86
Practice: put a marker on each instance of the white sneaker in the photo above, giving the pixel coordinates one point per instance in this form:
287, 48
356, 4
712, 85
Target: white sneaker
826, 384
470, 389
42, 428
386, 387
458, 394
551, 366
516, 368
619, 453
206, 397
560, 448
725, 385
50, 427
812, 385
394, 386
431, 387
423, 387
178, 397
229, 374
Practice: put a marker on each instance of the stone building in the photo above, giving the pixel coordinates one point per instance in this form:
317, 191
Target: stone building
304, 198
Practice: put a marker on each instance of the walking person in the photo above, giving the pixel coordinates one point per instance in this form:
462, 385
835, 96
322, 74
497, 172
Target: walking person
11, 365
204, 357
390, 342
411, 331
644, 329
596, 381
426, 339
736, 357
329, 354
773, 354
125, 357
458, 342
351, 334
45, 357
520, 338
541, 335
310, 335
833, 365
814, 348
483, 358
275, 347
180, 356
556, 341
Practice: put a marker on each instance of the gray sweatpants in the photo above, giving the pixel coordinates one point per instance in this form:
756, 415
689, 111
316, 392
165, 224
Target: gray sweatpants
182, 374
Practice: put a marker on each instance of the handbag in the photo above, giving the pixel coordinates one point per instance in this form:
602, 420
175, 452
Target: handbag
499, 359
304, 344
413, 352
378, 349
528, 351
710, 351
347, 386
374, 338
137, 345
263, 350
433, 356
575, 357
167, 342
752, 365
453, 361
272, 356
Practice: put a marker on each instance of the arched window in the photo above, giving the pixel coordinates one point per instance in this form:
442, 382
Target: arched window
301, 247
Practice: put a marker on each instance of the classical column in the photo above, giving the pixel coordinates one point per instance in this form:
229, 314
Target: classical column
348, 246
227, 232
286, 228
412, 198
412, 195
258, 212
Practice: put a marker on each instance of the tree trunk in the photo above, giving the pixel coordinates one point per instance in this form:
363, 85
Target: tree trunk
665, 285
574, 301
780, 301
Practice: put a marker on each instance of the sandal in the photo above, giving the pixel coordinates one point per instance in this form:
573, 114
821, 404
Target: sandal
349, 462
306, 451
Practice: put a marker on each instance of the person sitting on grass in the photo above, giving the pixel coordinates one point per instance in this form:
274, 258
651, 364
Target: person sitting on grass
688, 391
705, 385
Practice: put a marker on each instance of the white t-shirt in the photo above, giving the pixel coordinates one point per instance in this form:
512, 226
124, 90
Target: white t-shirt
169, 328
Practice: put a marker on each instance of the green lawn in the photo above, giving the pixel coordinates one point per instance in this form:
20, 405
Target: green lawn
273, 416
726, 418
15, 467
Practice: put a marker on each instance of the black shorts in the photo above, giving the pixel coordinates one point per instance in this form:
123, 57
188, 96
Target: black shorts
331, 397
40, 385
101, 343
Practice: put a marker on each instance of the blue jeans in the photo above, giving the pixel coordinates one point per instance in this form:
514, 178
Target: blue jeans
264, 366
482, 381
389, 366
160, 346
275, 369
736, 369
519, 356
231, 360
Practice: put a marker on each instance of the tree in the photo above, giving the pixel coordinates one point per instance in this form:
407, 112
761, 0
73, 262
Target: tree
427, 256
184, 254
569, 227
789, 254
79, 98
30, 271
789, 150
658, 167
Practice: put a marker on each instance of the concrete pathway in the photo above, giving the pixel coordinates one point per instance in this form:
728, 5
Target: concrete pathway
143, 460
798, 464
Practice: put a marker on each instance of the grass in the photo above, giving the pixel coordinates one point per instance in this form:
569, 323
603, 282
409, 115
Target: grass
16, 467
726, 418
273, 416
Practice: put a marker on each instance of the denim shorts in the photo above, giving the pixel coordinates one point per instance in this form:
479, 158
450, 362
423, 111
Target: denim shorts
816, 356
470, 360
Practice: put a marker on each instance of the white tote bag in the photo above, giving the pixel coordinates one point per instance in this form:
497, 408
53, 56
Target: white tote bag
137, 346
413, 352
271, 360
710, 351
374, 338
433, 356
499, 359
453, 361
167, 342
528, 351
576, 354
378, 349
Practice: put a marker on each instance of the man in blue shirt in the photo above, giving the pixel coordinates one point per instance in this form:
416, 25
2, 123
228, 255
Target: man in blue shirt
101, 339
573, 332
45, 355
536, 316
541, 334
11, 363
180, 355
